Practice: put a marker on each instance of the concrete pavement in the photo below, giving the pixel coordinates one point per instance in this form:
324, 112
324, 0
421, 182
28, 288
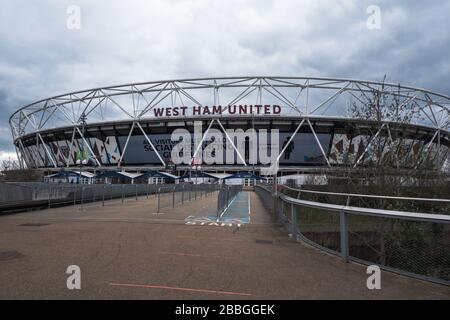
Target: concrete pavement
126, 251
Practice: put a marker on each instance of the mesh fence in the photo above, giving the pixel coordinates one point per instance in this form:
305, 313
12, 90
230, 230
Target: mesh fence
175, 195
319, 226
67, 194
413, 246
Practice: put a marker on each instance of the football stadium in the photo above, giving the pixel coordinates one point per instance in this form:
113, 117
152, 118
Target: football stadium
301, 123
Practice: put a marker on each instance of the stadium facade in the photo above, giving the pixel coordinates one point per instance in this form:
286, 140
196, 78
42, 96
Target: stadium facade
322, 122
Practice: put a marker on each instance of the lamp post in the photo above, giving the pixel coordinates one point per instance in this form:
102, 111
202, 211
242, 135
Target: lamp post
82, 121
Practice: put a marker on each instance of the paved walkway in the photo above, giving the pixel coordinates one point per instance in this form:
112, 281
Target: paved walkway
126, 251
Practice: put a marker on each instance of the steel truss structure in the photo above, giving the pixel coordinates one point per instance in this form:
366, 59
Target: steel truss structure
301, 99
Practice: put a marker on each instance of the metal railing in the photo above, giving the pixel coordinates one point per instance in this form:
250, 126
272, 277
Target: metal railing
410, 204
52, 195
225, 197
170, 196
416, 244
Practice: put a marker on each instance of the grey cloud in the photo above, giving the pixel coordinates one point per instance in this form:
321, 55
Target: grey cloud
121, 42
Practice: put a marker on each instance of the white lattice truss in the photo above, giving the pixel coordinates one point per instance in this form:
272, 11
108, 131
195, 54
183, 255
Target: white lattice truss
300, 97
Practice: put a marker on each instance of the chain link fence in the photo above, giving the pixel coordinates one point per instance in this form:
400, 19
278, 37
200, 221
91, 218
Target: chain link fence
21, 195
170, 196
411, 243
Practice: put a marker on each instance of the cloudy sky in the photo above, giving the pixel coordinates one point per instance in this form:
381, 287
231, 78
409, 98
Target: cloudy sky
136, 40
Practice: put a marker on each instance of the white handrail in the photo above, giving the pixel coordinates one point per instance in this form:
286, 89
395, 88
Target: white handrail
368, 195
417, 216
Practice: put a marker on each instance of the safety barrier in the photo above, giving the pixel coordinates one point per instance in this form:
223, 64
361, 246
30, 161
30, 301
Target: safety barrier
410, 243
69, 194
170, 196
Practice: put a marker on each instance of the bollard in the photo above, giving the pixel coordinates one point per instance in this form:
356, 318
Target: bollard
136, 192
103, 197
122, 192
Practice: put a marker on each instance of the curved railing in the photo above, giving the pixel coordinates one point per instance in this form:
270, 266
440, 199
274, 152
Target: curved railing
415, 244
297, 97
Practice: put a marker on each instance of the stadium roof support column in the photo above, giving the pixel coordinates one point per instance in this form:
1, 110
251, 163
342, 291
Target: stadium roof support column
290, 140
151, 144
368, 145
89, 147
28, 161
232, 143
226, 135
46, 151
126, 144
427, 147
318, 142
28, 154
70, 148
201, 141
